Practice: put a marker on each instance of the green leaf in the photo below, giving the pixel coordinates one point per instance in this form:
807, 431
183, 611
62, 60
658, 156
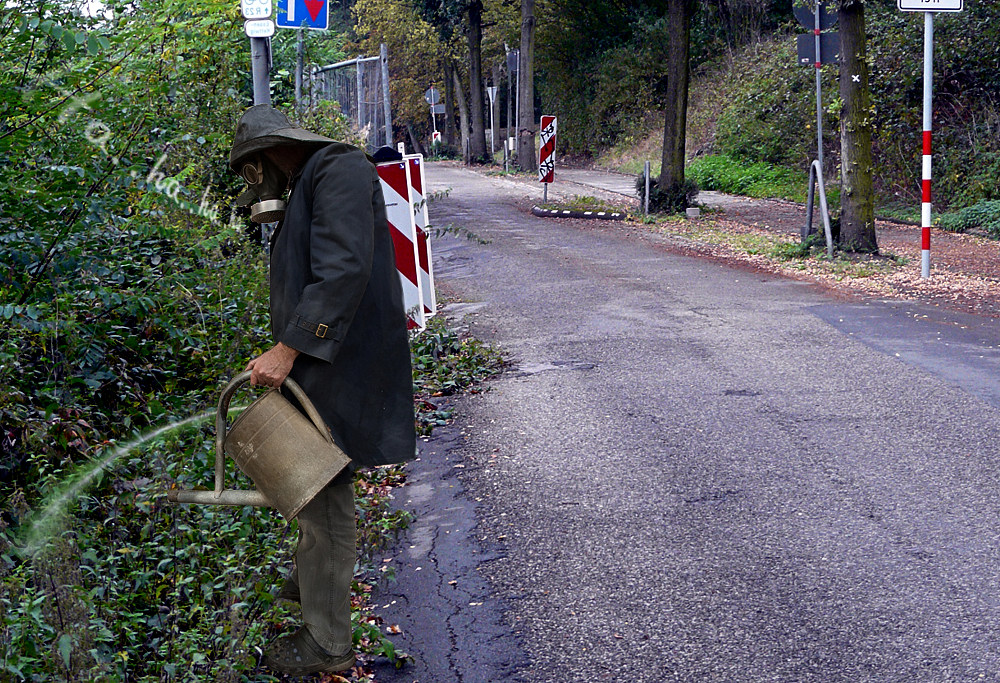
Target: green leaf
93, 45
65, 648
69, 40
81, 37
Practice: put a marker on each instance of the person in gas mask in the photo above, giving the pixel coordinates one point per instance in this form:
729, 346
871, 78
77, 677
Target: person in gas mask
339, 329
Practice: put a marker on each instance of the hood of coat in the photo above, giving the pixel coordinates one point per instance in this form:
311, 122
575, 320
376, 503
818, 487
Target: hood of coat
262, 127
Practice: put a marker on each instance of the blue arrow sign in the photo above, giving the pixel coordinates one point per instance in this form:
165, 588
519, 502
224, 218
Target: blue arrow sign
313, 14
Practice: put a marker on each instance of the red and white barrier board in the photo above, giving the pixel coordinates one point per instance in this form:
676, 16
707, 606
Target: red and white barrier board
547, 150
396, 185
418, 200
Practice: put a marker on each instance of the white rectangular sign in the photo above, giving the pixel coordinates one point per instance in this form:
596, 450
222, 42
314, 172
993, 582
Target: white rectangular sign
256, 9
931, 5
259, 28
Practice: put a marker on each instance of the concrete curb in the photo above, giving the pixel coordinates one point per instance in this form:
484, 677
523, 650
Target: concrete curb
566, 213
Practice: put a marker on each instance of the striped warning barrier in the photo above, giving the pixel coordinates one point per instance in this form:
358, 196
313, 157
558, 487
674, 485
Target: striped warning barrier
395, 180
419, 202
547, 150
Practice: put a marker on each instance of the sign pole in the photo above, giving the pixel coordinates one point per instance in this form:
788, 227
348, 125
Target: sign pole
261, 76
929, 8
925, 207
817, 30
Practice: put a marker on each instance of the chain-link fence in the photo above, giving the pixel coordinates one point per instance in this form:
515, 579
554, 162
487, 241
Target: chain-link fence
361, 88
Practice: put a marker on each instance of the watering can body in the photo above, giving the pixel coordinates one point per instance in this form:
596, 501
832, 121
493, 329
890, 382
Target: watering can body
290, 457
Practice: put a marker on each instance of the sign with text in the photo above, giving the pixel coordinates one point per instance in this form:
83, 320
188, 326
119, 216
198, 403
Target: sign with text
931, 5
255, 9
259, 28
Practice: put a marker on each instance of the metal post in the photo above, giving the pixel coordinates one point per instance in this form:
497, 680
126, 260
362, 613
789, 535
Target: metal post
646, 194
493, 130
819, 84
384, 54
360, 74
517, 99
259, 63
299, 57
506, 131
925, 207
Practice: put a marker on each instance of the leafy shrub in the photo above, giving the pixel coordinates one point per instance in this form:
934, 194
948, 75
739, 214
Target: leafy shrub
752, 179
983, 216
446, 363
673, 199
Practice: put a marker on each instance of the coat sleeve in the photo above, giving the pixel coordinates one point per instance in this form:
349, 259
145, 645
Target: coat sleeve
341, 246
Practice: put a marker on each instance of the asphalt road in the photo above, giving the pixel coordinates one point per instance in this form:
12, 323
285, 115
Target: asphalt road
694, 472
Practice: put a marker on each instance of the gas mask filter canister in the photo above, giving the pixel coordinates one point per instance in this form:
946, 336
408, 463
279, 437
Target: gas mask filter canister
267, 183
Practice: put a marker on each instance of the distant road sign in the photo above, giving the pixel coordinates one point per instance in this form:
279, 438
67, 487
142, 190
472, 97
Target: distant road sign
432, 95
931, 5
256, 9
437, 109
259, 28
805, 15
311, 14
829, 46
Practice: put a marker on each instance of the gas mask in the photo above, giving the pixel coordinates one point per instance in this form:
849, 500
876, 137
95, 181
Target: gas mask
267, 183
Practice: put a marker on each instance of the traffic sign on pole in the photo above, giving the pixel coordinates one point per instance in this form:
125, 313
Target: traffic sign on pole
259, 28
546, 153
931, 5
255, 9
311, 14
432, 95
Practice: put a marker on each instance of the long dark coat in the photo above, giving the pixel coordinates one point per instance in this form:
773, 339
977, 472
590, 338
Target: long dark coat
336, 297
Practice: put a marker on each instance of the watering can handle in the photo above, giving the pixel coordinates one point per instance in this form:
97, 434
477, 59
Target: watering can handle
223, 411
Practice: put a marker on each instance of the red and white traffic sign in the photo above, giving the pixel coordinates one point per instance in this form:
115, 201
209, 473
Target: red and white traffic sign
394, 177
547, 151
931, 5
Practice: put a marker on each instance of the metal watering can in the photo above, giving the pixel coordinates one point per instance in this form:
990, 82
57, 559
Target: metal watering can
289, 458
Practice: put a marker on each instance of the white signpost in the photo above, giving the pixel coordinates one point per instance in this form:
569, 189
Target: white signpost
928, 7
259, 28
255, 9
931, 5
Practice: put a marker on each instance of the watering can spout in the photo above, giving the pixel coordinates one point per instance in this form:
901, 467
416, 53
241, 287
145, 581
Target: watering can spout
289, 457
224, 497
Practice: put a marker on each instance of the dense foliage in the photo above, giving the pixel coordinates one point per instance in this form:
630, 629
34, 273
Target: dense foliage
129, 292
767, 113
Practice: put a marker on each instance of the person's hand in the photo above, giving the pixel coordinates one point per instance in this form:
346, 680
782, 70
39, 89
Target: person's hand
272, 367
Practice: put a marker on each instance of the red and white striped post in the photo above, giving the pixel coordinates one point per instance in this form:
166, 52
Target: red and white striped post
925, 177
928, 7
547, 153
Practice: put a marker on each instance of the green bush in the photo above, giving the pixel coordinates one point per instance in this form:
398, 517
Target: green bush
752, 179
771, 115
982, 216
674, 199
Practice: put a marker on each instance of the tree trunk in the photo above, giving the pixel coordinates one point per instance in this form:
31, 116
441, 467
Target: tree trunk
415, 141
449, 105
679, 14
477, 143
527, 156
463, 114
857, 195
